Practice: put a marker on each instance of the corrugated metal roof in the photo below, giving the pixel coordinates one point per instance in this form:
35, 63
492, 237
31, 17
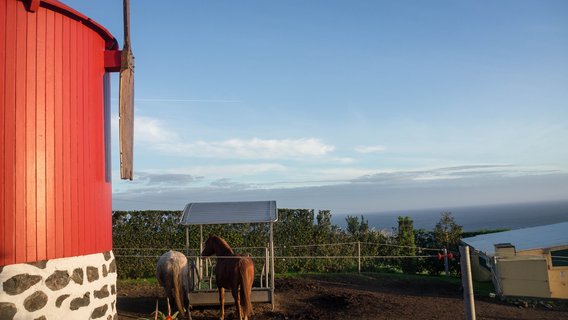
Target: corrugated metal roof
549, 236
229, 212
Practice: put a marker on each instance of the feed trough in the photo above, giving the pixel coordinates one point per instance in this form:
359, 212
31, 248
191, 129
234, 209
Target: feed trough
208, 213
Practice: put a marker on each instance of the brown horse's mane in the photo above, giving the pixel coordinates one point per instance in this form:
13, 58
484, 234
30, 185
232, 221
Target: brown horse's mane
224, 249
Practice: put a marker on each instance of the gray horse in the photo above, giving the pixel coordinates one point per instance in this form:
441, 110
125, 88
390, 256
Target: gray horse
173, 275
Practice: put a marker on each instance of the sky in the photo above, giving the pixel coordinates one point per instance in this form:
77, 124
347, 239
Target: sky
353, 106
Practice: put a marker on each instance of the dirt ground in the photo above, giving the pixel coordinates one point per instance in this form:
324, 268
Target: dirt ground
350, 296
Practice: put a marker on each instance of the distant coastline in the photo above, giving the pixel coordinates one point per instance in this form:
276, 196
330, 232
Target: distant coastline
472, 218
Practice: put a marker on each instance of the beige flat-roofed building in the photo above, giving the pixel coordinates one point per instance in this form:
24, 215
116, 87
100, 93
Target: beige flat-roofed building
531, 262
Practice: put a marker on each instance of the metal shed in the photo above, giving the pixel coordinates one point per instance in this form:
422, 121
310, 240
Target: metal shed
529, 262
206, 213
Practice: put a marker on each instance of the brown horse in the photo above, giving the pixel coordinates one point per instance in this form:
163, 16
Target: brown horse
234, 272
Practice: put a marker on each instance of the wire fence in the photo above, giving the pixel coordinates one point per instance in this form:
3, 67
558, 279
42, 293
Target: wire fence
334, 257
300, 246
194, 253
343, 256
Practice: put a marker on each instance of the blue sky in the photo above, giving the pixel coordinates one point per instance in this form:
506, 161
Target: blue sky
353, 106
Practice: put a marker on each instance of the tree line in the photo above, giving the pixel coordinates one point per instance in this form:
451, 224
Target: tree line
141, 236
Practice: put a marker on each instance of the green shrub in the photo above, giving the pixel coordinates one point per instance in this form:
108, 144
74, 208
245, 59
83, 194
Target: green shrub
141, 237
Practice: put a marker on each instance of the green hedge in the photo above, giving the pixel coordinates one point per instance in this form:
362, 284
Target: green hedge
140, 237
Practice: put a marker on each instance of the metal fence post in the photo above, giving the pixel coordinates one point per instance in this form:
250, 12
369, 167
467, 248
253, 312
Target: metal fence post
467, 283
190, 277
446, 264
272, 265
266, 264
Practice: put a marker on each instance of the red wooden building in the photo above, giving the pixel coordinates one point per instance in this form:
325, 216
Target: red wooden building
55, 191
55, 188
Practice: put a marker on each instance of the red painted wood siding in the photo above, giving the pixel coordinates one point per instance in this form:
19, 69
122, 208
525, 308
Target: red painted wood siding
54, 199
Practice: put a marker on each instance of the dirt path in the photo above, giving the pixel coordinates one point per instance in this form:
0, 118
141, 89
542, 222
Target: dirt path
349, 297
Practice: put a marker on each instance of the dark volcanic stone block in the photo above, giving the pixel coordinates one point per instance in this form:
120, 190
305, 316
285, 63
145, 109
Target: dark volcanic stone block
107, 255
7, 310
112, 266
58, 280
99, 312
105, 271
103, 293
77, 276
36, 301
20, 283
60, 300
92, 274
81, 302
38, 264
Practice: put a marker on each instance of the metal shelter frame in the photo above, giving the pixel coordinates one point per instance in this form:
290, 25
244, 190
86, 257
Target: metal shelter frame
205, 213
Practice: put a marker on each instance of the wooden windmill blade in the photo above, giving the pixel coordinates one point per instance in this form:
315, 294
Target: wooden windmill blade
126, 101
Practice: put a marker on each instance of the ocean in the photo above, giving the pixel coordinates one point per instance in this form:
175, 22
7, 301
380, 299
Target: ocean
472, 218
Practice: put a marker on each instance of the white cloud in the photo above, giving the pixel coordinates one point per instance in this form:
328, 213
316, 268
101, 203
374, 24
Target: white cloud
446, 173
253, 148
187, 100
343, 160
228, 184
152, 133
263, 148
183, 100
164, 179
369, 149
231, 170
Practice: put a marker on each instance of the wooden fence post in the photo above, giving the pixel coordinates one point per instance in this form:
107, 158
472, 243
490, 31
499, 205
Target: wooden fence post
467, 283
359, 256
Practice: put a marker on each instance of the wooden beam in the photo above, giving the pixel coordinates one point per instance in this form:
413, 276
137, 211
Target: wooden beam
126, 116
126, 101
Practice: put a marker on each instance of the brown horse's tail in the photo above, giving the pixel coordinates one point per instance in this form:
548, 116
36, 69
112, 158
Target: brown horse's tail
246, 270
177, 279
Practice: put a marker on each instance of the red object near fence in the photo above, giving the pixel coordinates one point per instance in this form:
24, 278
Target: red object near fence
55, 188
441, 256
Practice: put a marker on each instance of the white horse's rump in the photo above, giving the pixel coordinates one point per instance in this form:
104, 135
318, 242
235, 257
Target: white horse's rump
173, 276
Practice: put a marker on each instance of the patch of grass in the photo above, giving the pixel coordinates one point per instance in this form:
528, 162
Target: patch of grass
152, 280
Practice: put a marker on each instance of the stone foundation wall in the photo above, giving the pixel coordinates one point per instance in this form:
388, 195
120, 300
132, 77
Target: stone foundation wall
82, 287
